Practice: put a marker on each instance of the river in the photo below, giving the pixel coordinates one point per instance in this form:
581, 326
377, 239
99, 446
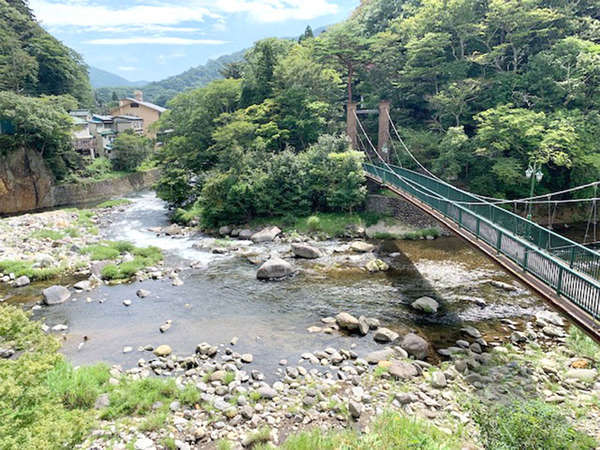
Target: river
224, 299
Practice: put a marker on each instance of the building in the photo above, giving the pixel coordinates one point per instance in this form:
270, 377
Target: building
149, 112
124, 122
83, 140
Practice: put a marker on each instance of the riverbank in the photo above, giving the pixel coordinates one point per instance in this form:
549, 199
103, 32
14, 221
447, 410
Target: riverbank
198, 351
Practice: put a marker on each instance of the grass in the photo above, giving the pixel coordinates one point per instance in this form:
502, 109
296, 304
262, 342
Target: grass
47, 234
421, 234
529, 425
185, 216
114, 203
332, 224
389, 431
111, 250
20, 268
154, 421
582, 344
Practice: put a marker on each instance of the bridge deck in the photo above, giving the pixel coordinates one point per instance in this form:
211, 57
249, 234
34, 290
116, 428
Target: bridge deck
575, 294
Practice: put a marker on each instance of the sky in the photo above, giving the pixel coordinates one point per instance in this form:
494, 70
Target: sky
153, 39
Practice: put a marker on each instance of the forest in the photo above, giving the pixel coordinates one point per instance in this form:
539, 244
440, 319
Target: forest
480, 90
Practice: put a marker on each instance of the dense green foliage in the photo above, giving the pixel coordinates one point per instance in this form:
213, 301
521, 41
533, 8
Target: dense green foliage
530, 425
32, 62
40, 80
130, 150
479, 91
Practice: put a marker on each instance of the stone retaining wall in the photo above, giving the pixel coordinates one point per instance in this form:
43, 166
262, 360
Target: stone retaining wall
406, 213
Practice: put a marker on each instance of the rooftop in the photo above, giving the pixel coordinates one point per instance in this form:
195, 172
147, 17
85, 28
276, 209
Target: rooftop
160, 109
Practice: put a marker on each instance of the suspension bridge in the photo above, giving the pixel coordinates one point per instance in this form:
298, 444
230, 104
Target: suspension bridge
563, 272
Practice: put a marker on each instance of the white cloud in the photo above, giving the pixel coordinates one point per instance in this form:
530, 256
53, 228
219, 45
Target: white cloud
127, 68
90, 14
160, 40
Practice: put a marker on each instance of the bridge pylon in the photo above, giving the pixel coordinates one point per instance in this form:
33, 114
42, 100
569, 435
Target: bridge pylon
383, 135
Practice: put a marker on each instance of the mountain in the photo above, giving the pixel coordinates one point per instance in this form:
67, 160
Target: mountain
160, 92
101, 78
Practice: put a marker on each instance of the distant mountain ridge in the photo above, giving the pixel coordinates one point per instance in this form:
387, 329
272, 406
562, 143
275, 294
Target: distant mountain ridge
101, 78
160, 92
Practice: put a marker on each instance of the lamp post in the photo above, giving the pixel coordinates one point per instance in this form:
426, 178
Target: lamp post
535, 174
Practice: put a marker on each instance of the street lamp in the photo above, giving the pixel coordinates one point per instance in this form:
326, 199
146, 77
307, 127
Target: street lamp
534, 173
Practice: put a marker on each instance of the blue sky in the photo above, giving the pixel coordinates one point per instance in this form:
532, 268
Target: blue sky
153, 39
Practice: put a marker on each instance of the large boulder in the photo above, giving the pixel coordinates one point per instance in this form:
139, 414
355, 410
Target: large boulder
361, 247
225, 230
245, 234
385, 335
306, 251
163, 350
380, 355
43, 260
266, 235
347, 321
55, 295
274, 268
402, 370
426, 304
415, 345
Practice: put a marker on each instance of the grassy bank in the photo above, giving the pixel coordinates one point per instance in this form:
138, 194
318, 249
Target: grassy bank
46, 403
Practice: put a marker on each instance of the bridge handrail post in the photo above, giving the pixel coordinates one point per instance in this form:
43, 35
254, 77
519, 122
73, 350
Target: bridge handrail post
525, 259
560, 280
572, 259
499, 241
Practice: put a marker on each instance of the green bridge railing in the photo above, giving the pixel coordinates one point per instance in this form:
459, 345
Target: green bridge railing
571, 269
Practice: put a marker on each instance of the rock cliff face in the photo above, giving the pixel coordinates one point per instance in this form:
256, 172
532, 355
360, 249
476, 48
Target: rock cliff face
26, 184
25, 181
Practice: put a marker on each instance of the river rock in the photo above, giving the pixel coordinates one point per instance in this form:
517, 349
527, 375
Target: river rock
361, 247
142, 293
471, 331
425, 304
385, 335
306, 251
553, 331
84, 285
347, 321
266, 235
544, 318
225, 230
438, 379
402, 370
43, 260
172, 230
247, 358
55, 295
377, 265
165, 326
127, 302
163, 350
415, 345
144, 443
22, 281
379, 355
363, 325
585, 375
245, 234
355, 409
274, 268
267, 392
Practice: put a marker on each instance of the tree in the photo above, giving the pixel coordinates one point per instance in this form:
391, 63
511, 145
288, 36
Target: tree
308, 34
342, 46
130, 150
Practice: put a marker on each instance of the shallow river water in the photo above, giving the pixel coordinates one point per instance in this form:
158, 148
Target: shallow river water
223, 299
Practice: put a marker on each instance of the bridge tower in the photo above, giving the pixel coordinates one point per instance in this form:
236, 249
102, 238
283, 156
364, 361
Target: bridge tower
383, 136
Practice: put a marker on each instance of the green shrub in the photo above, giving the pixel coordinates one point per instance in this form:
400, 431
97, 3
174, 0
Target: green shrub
136, 397
313, 223
582, 344
78, 388
389, 431
20, 268
529, 425
99, 168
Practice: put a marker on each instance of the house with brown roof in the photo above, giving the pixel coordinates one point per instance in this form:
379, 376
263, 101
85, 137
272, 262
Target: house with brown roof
148, 112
